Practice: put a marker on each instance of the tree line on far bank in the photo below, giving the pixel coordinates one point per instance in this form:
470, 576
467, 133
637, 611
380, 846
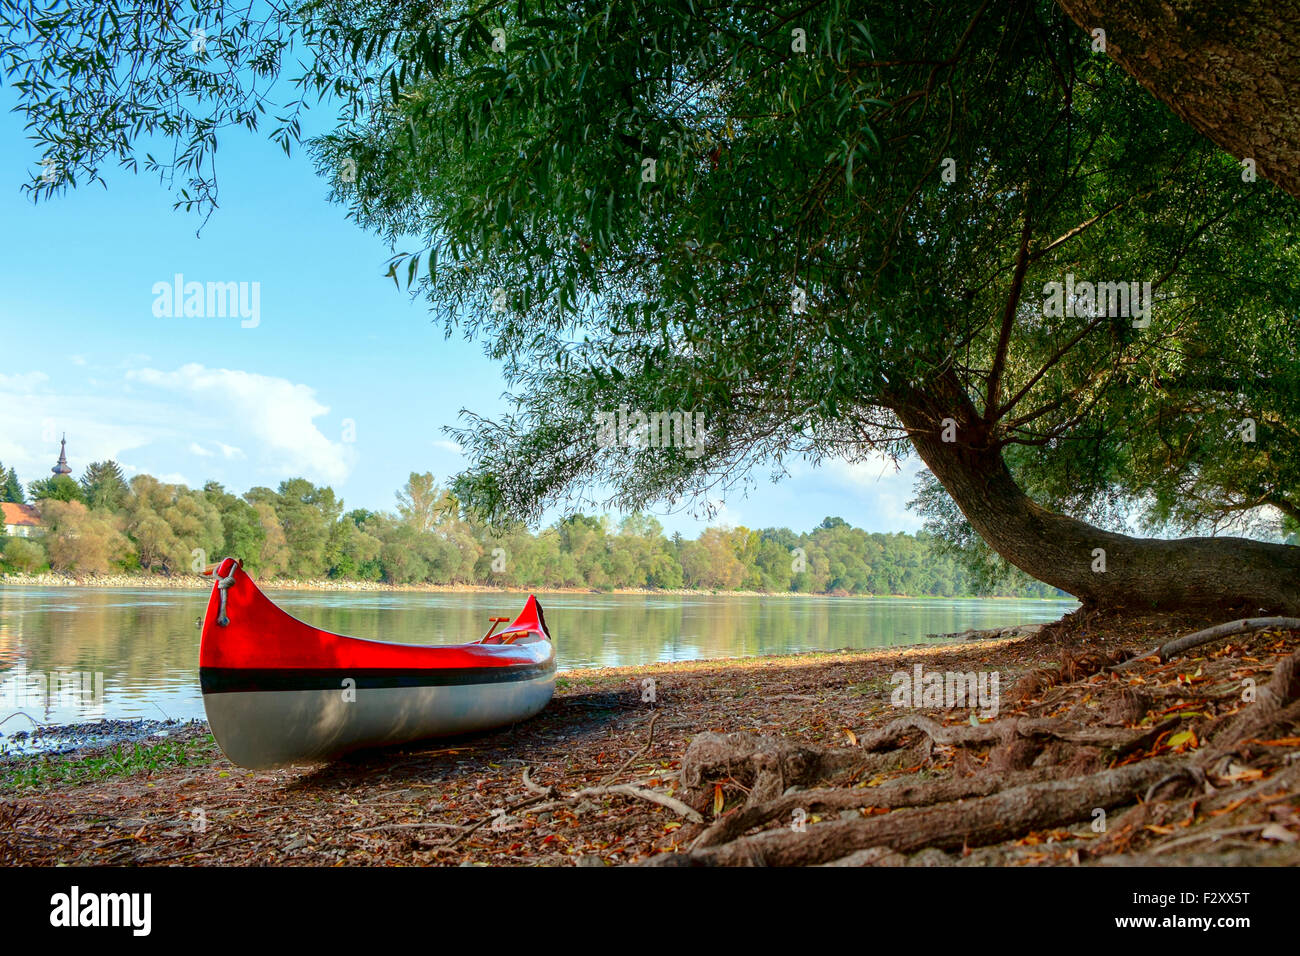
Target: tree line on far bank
104, 524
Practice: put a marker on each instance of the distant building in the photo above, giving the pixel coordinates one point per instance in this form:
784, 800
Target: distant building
61, 466
21, 521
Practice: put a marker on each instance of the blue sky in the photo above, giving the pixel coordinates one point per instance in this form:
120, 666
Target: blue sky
344, 379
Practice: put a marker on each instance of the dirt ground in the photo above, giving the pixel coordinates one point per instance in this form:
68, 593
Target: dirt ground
515, 797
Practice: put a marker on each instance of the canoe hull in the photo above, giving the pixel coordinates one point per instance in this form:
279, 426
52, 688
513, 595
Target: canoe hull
319, 725
278, 691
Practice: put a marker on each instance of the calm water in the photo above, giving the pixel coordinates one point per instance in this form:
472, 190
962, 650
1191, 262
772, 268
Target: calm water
81, 654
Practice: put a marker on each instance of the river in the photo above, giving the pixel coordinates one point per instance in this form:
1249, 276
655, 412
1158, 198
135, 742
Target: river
80, 654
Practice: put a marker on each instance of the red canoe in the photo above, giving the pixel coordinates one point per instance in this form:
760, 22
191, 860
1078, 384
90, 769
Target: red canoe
278, 691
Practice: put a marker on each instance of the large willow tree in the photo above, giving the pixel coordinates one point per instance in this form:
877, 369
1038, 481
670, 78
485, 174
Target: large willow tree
828, 228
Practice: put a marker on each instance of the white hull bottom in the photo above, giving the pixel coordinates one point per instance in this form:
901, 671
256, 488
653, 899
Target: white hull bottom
258, 729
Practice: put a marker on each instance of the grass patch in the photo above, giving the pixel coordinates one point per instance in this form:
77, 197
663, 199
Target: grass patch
872, 688
45, 772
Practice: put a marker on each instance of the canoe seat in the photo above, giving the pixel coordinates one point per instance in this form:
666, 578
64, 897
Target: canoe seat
511, 637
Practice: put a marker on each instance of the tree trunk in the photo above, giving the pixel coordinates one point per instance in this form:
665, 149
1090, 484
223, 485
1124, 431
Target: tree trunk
1230, 70
1101, 568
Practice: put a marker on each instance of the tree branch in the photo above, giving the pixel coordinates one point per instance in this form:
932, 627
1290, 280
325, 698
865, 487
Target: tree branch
1008, 322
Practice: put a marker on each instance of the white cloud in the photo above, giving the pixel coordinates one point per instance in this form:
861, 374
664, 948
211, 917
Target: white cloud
228, 452
871, 493
279, 414
34, 416
867, 474
450, 446
883, 486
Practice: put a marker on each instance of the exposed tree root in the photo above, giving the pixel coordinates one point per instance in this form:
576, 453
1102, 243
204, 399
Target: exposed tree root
888, 796
766, 765
1276, 706
1173, 648
991, 819
1029, 779
1074, 667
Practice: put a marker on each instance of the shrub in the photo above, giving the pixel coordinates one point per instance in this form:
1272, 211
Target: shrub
24, 555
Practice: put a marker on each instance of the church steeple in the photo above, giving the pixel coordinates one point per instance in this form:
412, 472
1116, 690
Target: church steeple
62, 467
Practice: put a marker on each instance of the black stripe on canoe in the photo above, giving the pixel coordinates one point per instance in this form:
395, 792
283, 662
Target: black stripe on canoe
229, 680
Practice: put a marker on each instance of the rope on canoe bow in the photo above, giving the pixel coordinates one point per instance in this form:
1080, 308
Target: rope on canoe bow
223, 584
